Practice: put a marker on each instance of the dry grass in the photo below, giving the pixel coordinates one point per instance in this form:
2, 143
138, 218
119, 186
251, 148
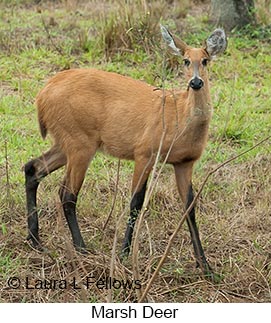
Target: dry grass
234, 223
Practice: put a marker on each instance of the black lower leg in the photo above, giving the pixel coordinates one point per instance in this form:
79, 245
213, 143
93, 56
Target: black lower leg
191, 221
69, 206
31, 186
135, 207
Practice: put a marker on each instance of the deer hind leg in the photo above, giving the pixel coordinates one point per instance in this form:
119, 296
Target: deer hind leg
141, 173
35, 170
183, 174
77, 165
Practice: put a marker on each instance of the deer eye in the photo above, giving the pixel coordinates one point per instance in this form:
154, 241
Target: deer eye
186, 62
204, 61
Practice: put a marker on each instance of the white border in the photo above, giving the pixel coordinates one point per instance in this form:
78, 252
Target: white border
81, 313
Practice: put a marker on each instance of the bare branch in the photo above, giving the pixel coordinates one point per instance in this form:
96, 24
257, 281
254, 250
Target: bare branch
57, 48
114, 197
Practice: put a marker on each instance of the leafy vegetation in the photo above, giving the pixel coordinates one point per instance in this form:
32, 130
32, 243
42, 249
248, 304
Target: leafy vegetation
38, 40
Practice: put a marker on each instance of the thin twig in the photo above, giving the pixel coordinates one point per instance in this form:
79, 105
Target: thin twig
114, 197
58, 49
113, 253
7, 172
141, 216
113, 256
150, 188
149, 238
220, 137
166, 252
149, 191
152, 184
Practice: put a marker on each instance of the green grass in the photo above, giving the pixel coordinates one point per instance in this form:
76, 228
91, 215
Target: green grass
35, 43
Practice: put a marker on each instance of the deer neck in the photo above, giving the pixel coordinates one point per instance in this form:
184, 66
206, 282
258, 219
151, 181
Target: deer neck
199, 103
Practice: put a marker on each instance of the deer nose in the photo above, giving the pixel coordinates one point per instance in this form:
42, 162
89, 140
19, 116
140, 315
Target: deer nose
196, 83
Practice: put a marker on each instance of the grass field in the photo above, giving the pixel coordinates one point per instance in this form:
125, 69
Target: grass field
234, 209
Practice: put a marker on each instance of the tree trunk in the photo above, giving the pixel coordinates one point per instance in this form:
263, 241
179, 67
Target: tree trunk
231, 14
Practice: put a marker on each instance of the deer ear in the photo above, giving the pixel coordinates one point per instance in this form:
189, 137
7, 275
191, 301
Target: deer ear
216, 43
174, 43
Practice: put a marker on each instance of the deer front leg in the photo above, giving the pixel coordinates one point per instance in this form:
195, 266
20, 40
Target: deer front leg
142, 170
183, 172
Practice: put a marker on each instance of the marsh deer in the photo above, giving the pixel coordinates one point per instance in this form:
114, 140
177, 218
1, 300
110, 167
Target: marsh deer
85, 110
